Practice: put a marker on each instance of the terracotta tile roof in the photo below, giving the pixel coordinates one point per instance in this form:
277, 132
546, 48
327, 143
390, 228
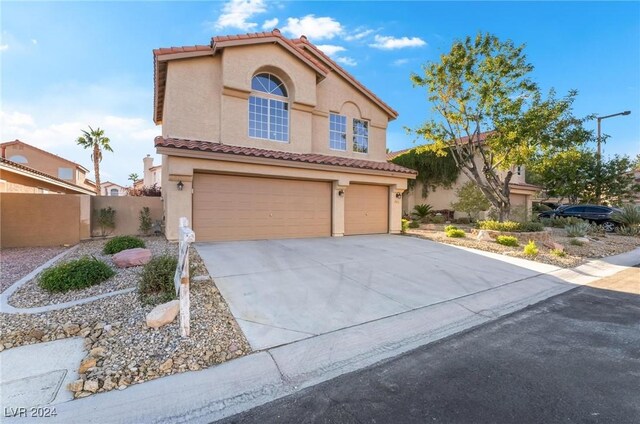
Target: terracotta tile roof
183, 49
10, 164
525, 186
312, 158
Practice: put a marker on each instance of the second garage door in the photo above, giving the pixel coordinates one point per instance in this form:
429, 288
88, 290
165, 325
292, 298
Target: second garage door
231, 207
366, 209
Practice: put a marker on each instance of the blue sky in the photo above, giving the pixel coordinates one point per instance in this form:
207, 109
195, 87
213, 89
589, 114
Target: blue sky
69, 64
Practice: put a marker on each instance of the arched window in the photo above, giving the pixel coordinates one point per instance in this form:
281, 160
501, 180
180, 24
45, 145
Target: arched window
115, 192
18, 159
268, 108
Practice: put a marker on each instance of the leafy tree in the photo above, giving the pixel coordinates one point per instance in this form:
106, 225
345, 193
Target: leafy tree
493, 116
96, 141
471, 200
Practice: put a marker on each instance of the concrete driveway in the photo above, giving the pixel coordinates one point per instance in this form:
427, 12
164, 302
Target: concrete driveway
286, 290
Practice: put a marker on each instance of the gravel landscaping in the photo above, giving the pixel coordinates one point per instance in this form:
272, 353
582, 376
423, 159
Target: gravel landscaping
597, 247
19, 261
122, 350
31, 295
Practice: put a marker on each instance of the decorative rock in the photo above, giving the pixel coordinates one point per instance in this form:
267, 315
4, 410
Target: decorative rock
37, 334
71, 328
86, 364
132, 257
483, 235
75, 386
91, 386
97, 352
82, 394
166, 365
583, 239
558, 246
163, 314
109, 384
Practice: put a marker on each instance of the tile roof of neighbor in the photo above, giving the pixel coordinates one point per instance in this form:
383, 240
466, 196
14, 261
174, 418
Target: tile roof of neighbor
16, 141
312, 158
300, 47
20, 166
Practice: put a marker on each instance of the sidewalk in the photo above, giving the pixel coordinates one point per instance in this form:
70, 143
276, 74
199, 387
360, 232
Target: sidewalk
236, 386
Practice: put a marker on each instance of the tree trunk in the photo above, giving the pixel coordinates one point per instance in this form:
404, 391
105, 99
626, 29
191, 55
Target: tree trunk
96, 166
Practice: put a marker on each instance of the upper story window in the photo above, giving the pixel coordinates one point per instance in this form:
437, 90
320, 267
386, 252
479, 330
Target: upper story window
65, 173
360, 136
268, 109
519, 170
337, 132
18, 159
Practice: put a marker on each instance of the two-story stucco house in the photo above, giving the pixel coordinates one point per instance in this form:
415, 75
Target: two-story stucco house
267, 137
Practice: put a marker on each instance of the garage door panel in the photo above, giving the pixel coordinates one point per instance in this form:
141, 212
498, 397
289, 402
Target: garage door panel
366, 209
228, 207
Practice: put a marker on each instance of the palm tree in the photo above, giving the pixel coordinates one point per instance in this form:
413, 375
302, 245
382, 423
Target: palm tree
133, 177
95, 139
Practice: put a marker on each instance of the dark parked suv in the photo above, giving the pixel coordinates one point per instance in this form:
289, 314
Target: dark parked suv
601, 215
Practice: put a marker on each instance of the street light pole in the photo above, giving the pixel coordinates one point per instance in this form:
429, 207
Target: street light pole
599, 151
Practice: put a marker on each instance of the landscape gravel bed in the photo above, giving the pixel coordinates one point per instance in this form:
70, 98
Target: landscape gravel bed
17, 262
595, 247
31, 295
122, 350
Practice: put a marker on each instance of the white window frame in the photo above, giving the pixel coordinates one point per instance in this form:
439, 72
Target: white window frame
270, 98
332, 131
354, 135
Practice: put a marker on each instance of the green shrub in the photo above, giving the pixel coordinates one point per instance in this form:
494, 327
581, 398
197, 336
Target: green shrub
576, 242
156, 280
405, 226
510, 226
106, 220
531, 227
628, 230
75, 275
547, 222
558, 252
438, 219
120, 243
507, 241
579, 229
531, 249
421, 211
630, 216
145, 220
455, 233
450, 227
471, 200
414, 224
540, 207
561, 222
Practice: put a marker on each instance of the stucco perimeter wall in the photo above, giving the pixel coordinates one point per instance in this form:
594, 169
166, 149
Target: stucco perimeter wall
127, 215
29, 220
179, 203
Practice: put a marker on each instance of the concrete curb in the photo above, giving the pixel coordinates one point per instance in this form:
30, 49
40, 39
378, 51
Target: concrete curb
7, 308
221, 391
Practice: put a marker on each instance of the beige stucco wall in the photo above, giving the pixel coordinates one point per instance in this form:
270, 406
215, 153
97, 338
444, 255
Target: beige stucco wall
179, 203
206, 98
127, 212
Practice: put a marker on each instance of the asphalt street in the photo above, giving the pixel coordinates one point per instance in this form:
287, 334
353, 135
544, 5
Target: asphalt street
574, 358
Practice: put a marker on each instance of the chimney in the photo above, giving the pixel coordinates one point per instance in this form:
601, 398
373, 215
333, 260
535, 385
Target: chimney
147, 178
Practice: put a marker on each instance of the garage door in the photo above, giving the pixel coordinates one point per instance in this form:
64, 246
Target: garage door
231, 207
366, 209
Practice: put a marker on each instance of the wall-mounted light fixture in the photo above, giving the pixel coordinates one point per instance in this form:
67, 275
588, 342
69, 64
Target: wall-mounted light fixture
180, 185
398, 195
341, 193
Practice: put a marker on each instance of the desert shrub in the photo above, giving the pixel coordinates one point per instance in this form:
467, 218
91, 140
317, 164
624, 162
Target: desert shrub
153, 191
629, 216
438, 219
507, 240
156, 280
579, 229
450, 227
596, 230
421, 211
120, 243
563, 221
558, 252
145, 220
414, 224
531, 226
531, 249
624, 230
471, 200
106, 220
575, 242
75, 275
404, 226
510, 226
540, 207
546, 222
519, 213
455, 233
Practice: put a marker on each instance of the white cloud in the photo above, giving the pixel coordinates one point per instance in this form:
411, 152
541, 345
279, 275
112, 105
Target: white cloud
270, 24
34, 41
345, 60
330, 50
359, 34
321, 28
4, 47
400, 62
389, 43
236, 14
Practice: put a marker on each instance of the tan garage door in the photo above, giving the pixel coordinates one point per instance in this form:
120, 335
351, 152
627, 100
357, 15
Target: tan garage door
231, 207
366, 209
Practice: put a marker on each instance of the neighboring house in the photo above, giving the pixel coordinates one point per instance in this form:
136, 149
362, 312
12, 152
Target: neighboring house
40, 160
267, 137
19, 178
112, 189
152, 175
521, 193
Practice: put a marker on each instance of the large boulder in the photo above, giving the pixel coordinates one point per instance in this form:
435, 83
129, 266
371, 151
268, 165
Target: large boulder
132, 257
484, 235
163, 314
